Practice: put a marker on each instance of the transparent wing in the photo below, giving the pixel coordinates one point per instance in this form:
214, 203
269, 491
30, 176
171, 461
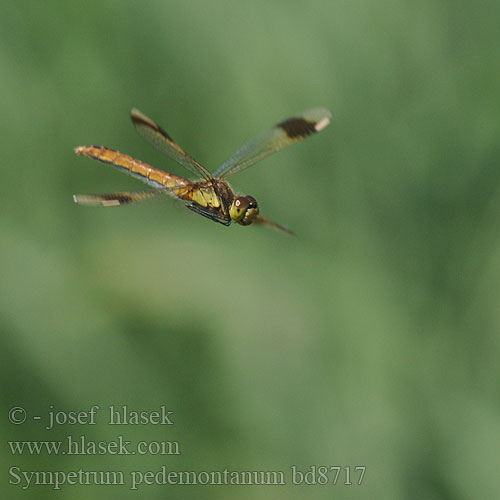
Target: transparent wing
156, 136
280, 136
274, 225
115, 199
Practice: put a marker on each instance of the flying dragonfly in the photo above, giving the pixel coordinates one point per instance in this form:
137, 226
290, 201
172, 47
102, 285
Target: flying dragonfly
210, 195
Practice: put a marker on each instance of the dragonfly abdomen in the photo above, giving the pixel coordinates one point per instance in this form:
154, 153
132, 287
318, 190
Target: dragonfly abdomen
136, 168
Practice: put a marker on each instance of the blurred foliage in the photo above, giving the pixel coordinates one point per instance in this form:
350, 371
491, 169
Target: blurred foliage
372, 339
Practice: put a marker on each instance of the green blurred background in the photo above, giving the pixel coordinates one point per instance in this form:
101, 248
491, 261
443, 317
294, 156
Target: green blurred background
371, 340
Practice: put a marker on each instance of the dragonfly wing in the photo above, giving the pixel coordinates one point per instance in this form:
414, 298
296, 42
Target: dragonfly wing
274, 225
156, 136
115, 199
280, 136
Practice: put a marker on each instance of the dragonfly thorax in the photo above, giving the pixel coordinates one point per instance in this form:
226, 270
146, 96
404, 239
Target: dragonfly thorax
244, 210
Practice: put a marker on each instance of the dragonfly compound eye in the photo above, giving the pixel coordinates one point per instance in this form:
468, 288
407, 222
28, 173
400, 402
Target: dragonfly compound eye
244, 210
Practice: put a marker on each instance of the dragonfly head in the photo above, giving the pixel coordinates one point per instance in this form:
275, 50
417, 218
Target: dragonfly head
244, 210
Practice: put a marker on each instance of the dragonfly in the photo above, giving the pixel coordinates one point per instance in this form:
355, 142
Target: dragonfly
210, 195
